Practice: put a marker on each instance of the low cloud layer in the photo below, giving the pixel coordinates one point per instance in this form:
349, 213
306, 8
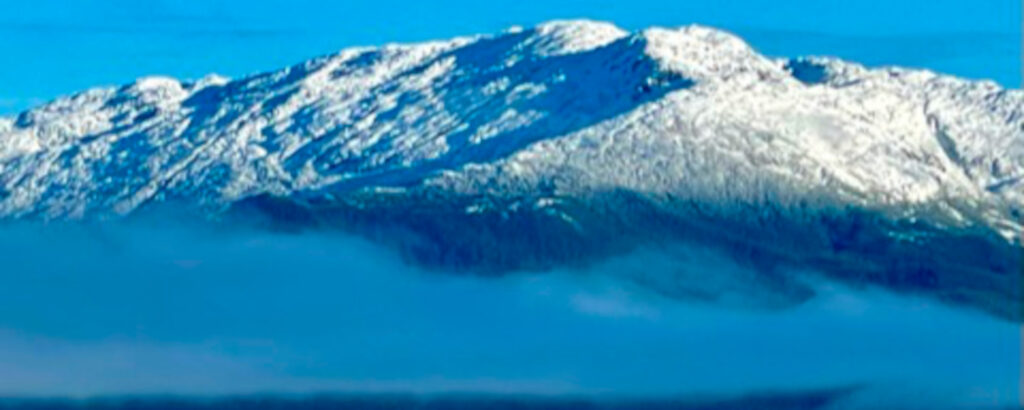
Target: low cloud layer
173, 308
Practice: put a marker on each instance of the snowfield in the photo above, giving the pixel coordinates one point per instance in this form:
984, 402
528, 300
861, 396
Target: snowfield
562, 144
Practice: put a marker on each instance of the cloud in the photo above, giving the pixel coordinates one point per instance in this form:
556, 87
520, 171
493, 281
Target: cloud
170, 306
611, 305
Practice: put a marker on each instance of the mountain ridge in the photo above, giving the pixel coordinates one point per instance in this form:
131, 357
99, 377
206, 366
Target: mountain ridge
572, 137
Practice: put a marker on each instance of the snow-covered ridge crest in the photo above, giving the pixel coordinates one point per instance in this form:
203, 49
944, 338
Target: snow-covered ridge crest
704, 53
580, 127
390, 108
573, 36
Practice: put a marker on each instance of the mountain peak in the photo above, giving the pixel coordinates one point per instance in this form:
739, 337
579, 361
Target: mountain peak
414, 110
151, 83
571, 36
155, 90
705, 53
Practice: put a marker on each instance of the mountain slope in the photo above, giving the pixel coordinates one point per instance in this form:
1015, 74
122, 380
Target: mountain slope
561, 144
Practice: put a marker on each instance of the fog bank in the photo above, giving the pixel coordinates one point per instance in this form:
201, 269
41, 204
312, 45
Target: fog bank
171, 307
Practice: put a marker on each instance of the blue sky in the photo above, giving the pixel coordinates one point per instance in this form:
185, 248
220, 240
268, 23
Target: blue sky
55, 47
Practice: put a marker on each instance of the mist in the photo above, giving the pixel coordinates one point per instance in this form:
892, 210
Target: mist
171, 307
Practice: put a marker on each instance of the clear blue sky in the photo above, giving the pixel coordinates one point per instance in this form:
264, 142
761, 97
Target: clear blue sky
54, 47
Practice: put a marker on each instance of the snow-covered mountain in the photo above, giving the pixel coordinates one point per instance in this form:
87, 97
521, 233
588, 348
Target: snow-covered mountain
564, 143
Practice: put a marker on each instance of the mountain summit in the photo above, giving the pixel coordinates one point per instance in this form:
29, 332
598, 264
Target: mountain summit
565, 143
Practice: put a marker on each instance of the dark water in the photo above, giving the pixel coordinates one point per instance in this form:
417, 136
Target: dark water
797, 400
